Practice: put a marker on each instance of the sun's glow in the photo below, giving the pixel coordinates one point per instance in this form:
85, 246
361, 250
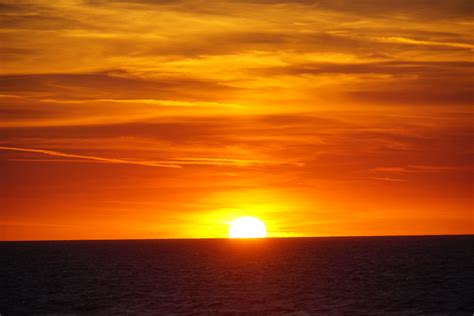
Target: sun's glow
247, 227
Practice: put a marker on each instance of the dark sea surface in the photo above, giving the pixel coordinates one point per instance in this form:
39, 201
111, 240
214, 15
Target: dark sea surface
296, 276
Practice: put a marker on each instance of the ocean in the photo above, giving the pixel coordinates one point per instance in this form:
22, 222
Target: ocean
430, 275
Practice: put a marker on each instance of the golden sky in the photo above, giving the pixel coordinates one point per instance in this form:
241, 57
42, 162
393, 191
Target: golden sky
168, 119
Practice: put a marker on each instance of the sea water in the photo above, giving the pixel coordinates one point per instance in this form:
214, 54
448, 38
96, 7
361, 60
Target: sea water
296, 276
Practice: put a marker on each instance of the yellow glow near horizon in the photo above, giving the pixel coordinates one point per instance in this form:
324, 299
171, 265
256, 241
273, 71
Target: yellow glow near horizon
247, 227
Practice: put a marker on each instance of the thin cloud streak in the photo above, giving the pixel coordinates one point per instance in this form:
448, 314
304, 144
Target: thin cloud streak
388, 179
423, 168
101, 159
171, 103
231, 161
410, 41
171, 163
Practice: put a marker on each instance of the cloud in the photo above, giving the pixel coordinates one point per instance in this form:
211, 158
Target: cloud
176, 162
259, 54
111, 84
420, 9
389, 179
171, 103
423, 168
410, 41
94, 158
230, 162
396, 82
385, 67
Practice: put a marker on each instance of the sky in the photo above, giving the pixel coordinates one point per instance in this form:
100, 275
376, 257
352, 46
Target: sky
169, 119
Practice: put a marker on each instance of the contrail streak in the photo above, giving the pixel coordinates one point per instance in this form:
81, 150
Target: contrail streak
95, 158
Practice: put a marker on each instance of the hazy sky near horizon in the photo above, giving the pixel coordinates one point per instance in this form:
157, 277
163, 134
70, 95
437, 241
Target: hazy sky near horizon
166, 119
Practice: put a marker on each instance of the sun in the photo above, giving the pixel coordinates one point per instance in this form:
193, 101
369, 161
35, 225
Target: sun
247, 227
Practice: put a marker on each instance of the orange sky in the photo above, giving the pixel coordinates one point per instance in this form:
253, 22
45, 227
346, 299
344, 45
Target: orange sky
168, 119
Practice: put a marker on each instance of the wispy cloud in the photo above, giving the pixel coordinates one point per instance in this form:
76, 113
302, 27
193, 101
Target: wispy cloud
168, 163
410, 41
93, 158
10, 96
170, 103
389, 179
232, 161
422, 168
222, 60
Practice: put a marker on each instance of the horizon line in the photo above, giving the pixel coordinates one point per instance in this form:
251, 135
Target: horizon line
227, 238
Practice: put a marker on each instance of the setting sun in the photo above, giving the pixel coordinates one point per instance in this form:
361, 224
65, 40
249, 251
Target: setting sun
247, 227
